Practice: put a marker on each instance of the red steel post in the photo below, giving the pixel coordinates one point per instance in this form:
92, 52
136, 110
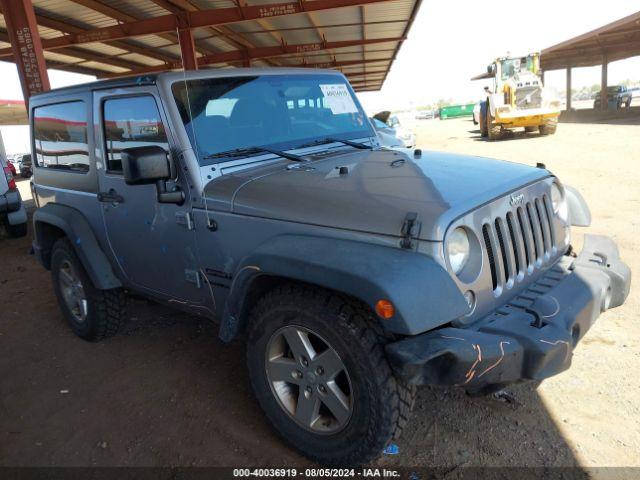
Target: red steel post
26, 46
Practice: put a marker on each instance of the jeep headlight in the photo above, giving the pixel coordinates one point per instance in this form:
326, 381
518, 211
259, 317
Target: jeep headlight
558, 202
458, 248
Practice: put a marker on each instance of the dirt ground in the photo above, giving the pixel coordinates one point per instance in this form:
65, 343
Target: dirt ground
166, 392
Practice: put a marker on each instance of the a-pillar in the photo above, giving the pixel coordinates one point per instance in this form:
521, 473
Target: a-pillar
26, 45
604, 102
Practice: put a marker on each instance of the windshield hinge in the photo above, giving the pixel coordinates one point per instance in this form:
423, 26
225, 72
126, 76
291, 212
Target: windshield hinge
185, 219
192, 276
410, 229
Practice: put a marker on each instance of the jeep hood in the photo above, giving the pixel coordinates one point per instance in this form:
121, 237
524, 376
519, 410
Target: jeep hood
375, 194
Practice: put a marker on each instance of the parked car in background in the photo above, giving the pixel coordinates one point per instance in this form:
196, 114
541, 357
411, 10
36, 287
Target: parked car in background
12, 212
387, 135
404, 134
12, 167
26, 167
425, 114
618, 96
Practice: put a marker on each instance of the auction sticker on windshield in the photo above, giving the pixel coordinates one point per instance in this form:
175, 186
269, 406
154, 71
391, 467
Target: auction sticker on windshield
338, 98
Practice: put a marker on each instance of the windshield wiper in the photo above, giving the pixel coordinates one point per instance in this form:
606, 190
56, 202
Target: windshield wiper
323, 141
243, 152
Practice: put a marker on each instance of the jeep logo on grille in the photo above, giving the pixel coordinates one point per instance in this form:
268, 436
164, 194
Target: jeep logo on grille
516, 199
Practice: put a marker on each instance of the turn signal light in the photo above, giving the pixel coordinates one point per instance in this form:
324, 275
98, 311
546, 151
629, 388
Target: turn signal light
385, 309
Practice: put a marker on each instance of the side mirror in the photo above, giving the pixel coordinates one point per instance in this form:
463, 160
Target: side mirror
145, 165
149, 165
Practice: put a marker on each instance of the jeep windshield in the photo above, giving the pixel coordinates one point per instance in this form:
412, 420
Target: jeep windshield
277, 112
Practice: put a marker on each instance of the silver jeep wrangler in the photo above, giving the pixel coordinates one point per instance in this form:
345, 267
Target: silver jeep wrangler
261, 199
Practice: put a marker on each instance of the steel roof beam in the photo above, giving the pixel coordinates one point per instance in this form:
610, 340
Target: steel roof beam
64, 27
346, 63
264, 52
324, 27
116, 14
202, 18
286, 49
363, 73
320, 53
225, 33
70, 67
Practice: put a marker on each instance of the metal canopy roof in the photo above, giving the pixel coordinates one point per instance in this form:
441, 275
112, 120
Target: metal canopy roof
110, 38
617, 40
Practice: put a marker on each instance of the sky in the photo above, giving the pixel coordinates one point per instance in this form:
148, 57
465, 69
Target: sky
449, 42
452, 41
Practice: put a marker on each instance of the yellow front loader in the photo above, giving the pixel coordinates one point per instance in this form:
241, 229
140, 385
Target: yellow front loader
517, 98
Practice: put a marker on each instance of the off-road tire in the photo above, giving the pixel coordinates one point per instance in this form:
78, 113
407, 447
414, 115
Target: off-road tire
548, 127
106, 309
483, 123
530, 129
494, 130
17, 231
381, 402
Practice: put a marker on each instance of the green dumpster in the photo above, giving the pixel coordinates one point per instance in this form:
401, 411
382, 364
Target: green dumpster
453, 111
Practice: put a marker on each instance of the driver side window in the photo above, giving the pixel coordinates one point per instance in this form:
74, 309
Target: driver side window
130, 122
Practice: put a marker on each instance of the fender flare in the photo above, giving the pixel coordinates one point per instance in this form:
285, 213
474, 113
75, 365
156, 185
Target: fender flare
77, 230
423, 293
579, 213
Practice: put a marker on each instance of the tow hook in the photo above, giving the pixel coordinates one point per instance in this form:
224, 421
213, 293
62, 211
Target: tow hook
537, 317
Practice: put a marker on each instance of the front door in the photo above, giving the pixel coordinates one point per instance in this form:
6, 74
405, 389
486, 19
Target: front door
153, 243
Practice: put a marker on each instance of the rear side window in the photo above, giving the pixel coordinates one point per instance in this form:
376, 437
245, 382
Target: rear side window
131, 122
60, 136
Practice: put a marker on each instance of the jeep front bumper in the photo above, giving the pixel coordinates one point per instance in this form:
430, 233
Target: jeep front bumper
532, 337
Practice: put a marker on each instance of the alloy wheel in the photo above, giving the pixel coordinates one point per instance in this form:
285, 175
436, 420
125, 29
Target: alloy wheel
73, 291
309, 379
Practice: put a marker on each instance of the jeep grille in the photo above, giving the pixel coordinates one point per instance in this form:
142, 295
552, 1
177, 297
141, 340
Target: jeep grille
519, 242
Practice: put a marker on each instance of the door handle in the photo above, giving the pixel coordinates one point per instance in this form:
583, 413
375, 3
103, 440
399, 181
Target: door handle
110, 197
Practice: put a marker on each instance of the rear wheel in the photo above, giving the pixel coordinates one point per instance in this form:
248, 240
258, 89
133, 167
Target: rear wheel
317, 366
91, 313
549, 126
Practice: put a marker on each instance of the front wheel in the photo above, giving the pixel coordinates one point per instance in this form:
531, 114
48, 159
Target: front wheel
317, 366
549, 126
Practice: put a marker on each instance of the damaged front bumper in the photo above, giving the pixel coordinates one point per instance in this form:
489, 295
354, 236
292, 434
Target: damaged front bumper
530, 338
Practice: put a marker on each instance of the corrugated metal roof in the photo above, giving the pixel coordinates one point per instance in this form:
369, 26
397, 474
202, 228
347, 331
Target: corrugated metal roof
294, 39
618, 40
